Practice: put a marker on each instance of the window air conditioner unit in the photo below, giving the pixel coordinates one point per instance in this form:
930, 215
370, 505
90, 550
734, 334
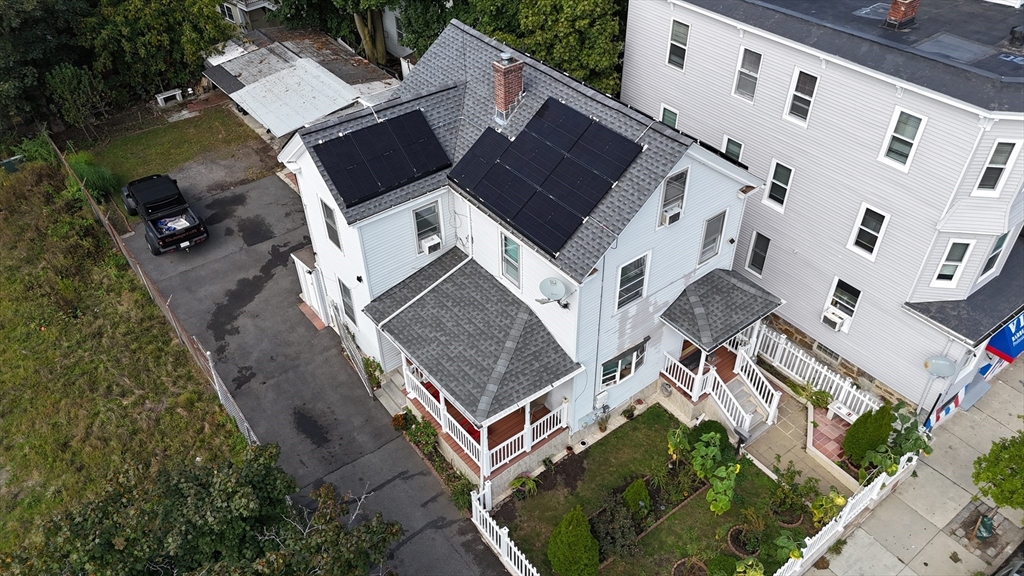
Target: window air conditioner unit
672, 213
430, 244
833, 318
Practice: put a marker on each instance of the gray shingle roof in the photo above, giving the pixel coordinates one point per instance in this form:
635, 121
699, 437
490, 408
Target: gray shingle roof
402, 293
987, 310
462, 57
717, 307
480, 343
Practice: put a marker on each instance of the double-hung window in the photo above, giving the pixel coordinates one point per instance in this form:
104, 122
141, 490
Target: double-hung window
952, 265
673, 197
901, 142
428, 229
712, 237
677, 44
993, 255
778, 186
227, 12
623, 366
346, 301
669, 116
732, 149
330, 223
758, 253
801, 96
842, 305
999, 162
867, 234
510, 259
632, 281
746, 74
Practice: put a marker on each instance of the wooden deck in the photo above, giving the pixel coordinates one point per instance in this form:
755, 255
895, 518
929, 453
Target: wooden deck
725, 363
512, 424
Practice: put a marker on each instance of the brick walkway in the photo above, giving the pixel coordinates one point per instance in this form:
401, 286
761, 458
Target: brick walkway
829, 434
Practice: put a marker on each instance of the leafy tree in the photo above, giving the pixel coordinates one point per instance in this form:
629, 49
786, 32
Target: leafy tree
76, 94
223, 518
637, 498
572, 549
1000, 473
321, 15
368, 16
424, 20
868, 432
575, 36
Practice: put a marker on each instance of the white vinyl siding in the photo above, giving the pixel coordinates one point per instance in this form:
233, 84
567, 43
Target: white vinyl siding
672, 198
669, 116
999, 164
680, 36
780, 177
632, 281
994, 254
428, 223
758, 253
747, 73
623, 366
733, 149
712, 240
801, 96
952, 265
868, 231
510, 259
331, 223
902, 138
346, 302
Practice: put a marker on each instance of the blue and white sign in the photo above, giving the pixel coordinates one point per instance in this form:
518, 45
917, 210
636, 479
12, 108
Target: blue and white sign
1008, 343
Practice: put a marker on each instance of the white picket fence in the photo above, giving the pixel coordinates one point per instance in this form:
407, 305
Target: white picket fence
800, 365
497, 537
867, 496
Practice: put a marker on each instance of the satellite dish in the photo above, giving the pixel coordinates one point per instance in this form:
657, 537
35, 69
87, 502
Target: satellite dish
552, 288
940, 366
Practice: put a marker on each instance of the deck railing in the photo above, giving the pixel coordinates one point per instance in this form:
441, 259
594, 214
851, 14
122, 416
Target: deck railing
765, 395
508, 450
461, 437
497, 537
726, 401
420, 393
681, 376
541, 428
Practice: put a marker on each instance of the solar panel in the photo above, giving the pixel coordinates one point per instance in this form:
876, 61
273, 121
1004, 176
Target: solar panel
531, 158
546, 222
382, 157
504, 192
579, 188
478, 159
604, 151
558, 124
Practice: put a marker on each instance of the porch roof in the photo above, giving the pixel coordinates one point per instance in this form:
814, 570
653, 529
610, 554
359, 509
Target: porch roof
717, 307
483, 346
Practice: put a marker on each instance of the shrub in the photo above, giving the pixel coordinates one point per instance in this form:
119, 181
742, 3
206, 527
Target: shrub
424, 436
37, 149
637, 498
868, 432
403, 420
615, 530
572, 549
722, 566
373, 371
100, 182
462, 493
525, 485
998, 473
698, 432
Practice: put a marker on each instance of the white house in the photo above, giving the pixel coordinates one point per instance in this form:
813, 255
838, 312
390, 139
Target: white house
529, 254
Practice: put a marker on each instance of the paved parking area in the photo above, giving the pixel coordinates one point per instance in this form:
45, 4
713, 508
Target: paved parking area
238, 293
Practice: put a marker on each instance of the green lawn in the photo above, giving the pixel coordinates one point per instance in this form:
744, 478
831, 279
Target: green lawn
159, 150
629, 451
92, 376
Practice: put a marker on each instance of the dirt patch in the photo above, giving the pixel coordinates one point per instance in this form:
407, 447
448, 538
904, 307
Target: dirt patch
567, 473
225, 169
1004, 532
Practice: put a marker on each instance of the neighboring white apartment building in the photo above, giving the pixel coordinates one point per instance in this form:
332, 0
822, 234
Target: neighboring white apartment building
527, 253
890, 138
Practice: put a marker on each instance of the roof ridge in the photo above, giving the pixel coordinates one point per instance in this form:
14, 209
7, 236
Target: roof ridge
383, 106
703, 325
504, 360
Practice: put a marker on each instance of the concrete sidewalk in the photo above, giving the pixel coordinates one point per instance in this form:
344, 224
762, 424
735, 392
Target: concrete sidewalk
923, 528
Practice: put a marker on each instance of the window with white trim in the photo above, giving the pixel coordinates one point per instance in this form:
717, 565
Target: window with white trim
632, 281
712, 237
746, 74
952, 264
330, 223
778, 185
677, 44
901, 143
227, 12
827, 354
999, 163
672, 198
510, 259
669, 116
867, 234
623, 366
994, 254
802, 96
346, 301
844, 299
399, 32
732, 149
428, 225
758, 253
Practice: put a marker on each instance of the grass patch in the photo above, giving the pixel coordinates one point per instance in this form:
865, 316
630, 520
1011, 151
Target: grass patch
160, 150
629, 451
93, 377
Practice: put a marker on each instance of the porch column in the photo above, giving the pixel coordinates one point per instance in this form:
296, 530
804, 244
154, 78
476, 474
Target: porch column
527, 429
755, 340
698, 387
485, 454
444, 414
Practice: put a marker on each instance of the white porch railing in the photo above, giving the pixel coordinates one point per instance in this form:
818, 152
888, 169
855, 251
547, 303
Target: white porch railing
681, 376
546, 425
518, 444
420, 393
461, 437
508, 450
765, 395
497, 537
726, 401
800, 365
867, 496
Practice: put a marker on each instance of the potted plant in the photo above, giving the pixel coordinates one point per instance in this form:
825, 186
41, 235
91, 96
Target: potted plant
789, 497
629, 412
749, 567
689, 567
745, 539
602, 422
523, 486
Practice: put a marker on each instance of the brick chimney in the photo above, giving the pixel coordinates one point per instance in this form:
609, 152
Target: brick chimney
901, 14
508, 86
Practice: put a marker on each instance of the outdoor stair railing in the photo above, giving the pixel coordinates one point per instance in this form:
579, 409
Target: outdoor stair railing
681, 376
765, 395
726, 401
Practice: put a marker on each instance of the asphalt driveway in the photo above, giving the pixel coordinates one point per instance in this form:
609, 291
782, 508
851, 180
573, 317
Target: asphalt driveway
238, 293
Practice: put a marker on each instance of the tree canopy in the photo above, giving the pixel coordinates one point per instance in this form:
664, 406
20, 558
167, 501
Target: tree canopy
224, 518
1000, 473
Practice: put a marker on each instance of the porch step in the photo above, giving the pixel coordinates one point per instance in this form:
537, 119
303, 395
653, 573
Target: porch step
757, 431
391, 396
737, 388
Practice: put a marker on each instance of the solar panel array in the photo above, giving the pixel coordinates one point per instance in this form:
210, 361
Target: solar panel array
551, 177
365, 163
